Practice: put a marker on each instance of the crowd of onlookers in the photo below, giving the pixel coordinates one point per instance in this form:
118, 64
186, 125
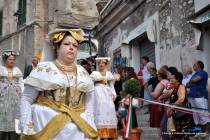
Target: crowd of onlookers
169, 86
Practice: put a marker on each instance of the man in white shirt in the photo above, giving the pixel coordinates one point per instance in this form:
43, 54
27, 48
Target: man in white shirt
187, 74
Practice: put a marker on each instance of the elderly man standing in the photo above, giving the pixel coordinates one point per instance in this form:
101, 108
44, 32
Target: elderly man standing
198, 94
187, 74
29, 68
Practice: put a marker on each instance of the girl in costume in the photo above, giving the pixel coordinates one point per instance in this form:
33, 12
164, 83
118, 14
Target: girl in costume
105, 114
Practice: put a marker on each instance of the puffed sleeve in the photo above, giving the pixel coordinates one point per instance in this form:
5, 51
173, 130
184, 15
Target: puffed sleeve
28, 97
96, 76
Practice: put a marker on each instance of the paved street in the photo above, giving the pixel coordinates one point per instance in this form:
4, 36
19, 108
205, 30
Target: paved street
148, 133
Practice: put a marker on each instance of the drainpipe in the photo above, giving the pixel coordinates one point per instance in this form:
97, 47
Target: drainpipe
89, 42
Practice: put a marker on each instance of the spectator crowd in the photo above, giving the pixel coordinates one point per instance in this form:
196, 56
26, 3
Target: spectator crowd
187, 88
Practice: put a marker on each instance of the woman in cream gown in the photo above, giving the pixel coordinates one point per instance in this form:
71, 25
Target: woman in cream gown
11, 86
57, 102
105, 114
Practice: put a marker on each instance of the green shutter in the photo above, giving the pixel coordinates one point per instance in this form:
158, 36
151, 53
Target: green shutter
22, 11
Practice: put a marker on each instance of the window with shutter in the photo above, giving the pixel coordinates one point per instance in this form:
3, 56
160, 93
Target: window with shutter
21, 12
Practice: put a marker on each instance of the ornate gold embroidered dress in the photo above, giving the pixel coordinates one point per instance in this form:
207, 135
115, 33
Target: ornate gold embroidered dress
62, 105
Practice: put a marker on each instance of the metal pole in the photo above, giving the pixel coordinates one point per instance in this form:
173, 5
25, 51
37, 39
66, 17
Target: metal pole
89, 42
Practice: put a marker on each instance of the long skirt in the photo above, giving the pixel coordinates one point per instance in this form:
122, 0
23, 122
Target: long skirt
156, 114
43, 114
105, 114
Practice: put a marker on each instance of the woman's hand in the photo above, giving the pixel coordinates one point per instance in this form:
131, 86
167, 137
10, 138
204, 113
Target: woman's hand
167, 91
116, 77
169, 112
166, 94
114, 98
146, 85
160, 99
126, 101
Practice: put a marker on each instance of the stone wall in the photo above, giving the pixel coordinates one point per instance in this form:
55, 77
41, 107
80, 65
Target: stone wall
23, 43
176, 35
9, 21
39, 30
114, 38
30, 11
43, 16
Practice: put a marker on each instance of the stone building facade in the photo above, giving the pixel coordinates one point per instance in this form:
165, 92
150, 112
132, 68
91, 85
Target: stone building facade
170, 32
25, 23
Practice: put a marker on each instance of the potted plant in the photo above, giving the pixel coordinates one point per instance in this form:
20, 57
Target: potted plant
132, 89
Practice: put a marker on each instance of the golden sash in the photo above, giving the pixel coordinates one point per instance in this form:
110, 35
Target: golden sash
59, 121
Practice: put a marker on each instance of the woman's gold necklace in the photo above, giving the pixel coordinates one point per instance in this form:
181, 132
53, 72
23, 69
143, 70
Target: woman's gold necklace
66, 69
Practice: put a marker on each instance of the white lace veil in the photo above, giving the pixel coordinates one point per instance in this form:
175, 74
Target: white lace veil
108, 67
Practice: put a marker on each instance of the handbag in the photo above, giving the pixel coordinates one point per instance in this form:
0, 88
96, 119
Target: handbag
170, 125
181, 116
